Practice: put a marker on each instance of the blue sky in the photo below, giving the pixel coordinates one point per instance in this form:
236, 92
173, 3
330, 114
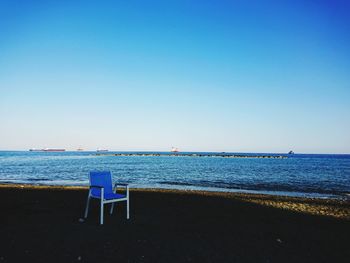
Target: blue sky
241, 76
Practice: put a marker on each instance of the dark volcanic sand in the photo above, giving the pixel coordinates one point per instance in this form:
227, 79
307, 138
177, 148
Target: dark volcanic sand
42, 225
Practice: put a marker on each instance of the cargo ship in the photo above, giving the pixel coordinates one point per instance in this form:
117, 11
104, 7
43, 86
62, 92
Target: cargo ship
174, 149
54, 150
101, 150
47, 150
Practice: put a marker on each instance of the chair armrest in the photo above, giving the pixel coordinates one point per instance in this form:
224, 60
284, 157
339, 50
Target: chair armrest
119, 184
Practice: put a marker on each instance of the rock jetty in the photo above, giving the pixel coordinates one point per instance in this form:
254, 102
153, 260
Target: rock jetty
195, 155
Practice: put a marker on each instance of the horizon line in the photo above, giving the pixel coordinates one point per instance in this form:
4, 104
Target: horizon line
189, 151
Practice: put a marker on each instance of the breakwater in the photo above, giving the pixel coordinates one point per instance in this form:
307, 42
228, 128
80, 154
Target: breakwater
222, 155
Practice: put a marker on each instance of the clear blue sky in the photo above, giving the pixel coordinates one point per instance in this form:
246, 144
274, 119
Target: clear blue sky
242, 76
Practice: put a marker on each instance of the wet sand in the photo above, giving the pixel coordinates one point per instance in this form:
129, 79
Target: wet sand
41, 224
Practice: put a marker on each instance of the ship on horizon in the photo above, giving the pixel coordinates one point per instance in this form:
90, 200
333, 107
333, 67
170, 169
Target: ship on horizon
101, 150
174, 150
47, 150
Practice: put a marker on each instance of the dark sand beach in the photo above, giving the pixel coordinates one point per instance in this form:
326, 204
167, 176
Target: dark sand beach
41, 224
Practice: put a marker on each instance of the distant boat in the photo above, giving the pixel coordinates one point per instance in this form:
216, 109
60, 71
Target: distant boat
290, 152
54, 150
101, 150
174, 149
47, 150
80, 149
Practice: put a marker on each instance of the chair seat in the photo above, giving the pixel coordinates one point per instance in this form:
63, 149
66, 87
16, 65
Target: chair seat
109, 196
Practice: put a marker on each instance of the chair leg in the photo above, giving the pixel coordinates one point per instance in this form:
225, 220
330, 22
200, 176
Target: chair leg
87, 206
127, 208
112, 206
101, 212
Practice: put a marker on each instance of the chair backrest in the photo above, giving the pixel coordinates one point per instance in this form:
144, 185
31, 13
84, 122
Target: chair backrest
101, 178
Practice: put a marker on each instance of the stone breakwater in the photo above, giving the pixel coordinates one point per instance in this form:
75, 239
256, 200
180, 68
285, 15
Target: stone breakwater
195, 155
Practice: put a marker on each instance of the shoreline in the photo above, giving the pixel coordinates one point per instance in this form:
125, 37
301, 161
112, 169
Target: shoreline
329, 207
194, 188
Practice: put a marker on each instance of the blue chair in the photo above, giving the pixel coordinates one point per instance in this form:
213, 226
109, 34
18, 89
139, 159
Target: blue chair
101, 188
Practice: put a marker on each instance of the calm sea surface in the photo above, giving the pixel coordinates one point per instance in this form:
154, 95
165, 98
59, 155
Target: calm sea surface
298, 175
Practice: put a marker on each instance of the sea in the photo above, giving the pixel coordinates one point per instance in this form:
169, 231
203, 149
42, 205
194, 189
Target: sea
303, 175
